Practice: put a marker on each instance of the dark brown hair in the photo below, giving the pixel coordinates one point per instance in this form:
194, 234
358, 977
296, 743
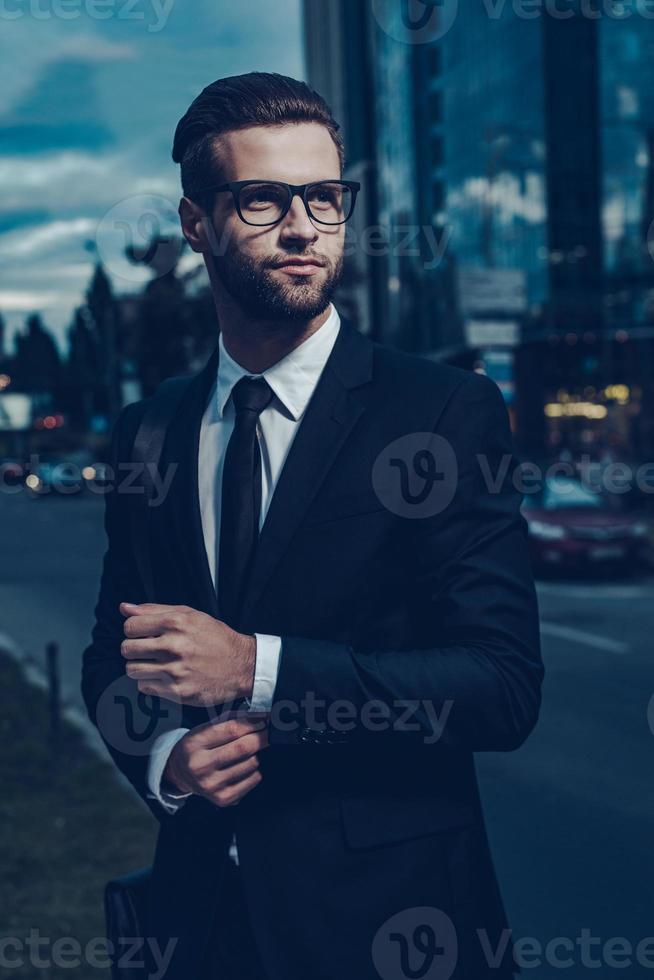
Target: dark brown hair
255, 99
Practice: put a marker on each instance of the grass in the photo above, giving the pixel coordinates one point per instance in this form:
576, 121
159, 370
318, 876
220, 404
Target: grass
66, 826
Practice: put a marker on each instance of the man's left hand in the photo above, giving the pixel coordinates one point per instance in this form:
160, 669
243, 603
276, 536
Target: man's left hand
185, 655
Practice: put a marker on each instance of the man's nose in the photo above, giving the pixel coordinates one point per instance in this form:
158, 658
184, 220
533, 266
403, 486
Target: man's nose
297, 223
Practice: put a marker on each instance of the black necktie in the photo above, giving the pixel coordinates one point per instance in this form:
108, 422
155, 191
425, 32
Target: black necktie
241, 496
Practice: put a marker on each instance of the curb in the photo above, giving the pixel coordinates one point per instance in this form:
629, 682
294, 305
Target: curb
35, 674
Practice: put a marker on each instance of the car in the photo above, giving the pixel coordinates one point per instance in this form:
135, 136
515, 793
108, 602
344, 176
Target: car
64, 475
12, 472
572, 525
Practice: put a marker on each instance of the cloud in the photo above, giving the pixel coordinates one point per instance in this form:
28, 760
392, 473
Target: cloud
27, 243
28, 301
30, 45
141, 82
90, 47
35, 173
75, 179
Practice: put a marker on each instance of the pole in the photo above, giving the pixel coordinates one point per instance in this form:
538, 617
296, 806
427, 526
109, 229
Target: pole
54, 692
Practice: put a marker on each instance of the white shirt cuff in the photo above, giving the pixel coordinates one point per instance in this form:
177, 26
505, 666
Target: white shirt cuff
266, 668
163, 746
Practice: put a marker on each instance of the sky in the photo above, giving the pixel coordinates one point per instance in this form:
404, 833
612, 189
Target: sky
90, 94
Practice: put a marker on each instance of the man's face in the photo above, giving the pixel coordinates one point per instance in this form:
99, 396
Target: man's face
248, 260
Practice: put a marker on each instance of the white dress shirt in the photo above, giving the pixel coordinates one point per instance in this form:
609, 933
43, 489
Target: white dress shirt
293, 380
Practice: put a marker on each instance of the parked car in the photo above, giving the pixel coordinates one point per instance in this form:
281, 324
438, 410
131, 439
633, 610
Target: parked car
571, 525
12, 472
65, 475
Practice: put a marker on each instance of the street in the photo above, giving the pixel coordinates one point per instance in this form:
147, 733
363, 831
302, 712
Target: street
569, 815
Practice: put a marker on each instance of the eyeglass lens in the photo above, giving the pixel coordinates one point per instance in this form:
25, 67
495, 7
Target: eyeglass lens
330, 202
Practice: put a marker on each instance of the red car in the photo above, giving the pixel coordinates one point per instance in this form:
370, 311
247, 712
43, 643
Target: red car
570, 525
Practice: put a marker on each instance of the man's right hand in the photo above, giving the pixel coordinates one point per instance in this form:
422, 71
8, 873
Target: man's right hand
218, 760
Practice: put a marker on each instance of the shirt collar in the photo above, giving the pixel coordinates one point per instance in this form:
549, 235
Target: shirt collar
293, 378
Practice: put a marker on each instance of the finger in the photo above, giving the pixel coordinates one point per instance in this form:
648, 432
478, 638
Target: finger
245, 787
144, 608
157, 689
216, 733
235, 774
232, 795
147, 649
143, 671
240, 748
257, 716
150, 624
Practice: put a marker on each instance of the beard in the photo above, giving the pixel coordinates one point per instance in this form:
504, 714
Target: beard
264, 295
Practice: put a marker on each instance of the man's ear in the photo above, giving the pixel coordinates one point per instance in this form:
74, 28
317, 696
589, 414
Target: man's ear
194, 225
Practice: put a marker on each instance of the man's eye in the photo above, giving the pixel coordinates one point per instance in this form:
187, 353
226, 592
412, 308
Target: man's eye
258, 197
325, 197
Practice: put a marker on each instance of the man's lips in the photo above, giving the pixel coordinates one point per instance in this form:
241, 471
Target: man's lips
304, 267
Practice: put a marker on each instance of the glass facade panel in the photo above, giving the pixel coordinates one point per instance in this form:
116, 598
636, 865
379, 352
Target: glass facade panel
495, 143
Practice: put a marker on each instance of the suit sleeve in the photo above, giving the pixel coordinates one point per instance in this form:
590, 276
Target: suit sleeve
480, 669
127, 722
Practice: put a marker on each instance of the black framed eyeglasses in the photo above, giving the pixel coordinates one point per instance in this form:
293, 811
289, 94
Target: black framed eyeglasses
265, 202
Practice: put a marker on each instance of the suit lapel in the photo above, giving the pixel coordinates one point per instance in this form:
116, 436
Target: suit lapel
183, 513
329, 417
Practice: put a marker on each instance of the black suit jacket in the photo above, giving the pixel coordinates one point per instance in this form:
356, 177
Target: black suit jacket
378, 612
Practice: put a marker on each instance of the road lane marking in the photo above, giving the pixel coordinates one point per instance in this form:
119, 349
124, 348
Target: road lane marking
581, 636
595, 591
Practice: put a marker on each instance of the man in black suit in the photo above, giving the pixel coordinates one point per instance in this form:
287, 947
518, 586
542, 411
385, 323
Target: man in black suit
339, 556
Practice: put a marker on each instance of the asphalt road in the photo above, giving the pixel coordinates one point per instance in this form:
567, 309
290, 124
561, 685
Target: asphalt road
570, 815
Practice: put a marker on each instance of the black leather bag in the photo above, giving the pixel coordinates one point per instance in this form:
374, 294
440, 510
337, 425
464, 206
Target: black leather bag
126, 898
126, 910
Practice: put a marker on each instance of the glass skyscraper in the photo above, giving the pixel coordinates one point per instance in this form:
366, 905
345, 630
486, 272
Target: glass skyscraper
517, 149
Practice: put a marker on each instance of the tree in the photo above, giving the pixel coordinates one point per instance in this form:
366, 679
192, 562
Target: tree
83, 381
37, 363
104, 314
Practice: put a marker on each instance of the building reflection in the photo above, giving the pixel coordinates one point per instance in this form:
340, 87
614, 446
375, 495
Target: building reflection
519, 152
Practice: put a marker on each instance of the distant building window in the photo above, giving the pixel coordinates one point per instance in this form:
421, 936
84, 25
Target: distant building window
437, 150
436, 107
435, 60
438, 195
